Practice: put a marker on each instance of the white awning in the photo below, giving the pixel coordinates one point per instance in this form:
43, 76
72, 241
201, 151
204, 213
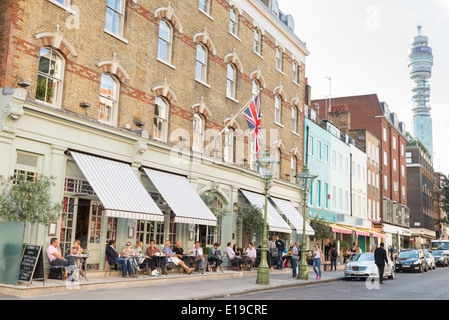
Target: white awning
293, 216
181, 198
275, 221
118, 188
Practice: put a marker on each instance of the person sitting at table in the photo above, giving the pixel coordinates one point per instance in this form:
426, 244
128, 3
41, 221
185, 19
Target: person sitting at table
114, 258
130, 254
55, 257
151, 251
251, 255
139, 252
198, 255
214, 258
172, 258
237, 252
77, 250
232, 257
179, 251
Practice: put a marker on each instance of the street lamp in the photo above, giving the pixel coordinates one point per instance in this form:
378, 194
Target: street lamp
305, 180
266, 167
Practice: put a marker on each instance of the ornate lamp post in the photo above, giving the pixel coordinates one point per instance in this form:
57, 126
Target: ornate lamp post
305, 180
266, 167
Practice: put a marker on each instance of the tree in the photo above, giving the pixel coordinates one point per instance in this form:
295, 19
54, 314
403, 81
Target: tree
444, 193
28, 199
321, 228
252, 219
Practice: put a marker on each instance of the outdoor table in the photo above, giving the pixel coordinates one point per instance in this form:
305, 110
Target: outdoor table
135, 257
82, 262
159, 260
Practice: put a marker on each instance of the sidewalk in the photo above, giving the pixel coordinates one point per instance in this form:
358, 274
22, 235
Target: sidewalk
175, 286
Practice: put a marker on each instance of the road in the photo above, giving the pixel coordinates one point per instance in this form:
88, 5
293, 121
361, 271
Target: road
431, 285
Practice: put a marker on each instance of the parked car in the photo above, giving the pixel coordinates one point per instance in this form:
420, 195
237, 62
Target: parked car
411, 260
430, 259
362, 265
441, 259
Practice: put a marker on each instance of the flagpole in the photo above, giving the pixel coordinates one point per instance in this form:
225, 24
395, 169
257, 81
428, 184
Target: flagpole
230, 121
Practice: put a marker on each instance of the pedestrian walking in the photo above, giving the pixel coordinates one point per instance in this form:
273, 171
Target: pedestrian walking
380, 258
295, 258
280, 245
334, 255
317, 256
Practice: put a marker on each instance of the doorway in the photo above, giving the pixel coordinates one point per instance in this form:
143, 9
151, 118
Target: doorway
82, 222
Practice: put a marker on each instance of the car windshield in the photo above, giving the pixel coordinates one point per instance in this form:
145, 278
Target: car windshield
363, 257
408, 254
440, 245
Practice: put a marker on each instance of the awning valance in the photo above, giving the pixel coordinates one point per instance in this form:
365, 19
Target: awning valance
275, 221
181, 198
118, 188
293, 215
340, 229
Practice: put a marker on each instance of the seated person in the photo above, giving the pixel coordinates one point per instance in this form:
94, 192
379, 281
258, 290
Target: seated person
214, 257
129, 253
231, 255
251, 255
151, 251
77, 250
172, 258
114, 258
180, 253
55, 257
198, 255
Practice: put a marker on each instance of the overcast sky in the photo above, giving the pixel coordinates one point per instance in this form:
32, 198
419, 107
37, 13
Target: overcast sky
363, 46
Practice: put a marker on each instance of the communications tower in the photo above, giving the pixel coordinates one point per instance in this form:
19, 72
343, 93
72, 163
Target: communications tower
420, 62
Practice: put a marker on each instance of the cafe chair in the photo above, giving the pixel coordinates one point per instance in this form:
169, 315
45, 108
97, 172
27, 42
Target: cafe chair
108, 267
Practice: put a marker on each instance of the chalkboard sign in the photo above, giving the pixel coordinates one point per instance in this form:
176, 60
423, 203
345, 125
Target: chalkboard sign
32, 264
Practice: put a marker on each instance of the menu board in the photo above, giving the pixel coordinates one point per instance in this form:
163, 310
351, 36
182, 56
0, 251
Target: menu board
32, 264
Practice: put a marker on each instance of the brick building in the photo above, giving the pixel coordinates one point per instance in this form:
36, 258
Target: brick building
367, 112
149, 84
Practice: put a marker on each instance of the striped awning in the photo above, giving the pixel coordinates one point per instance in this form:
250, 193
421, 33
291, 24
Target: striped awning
275, 221
340, 229
293, 215
182, 199
118, 188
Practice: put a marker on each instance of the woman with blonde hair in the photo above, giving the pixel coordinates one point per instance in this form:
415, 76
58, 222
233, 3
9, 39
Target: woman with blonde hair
317, 257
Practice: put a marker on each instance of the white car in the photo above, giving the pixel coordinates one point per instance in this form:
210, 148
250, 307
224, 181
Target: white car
362, 265
431, 262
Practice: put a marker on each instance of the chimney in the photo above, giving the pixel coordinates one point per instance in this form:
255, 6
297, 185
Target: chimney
340, 117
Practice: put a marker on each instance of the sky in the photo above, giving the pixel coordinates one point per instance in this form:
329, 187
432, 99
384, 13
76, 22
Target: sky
363, 45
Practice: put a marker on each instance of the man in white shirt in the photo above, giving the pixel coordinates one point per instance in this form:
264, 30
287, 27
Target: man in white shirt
198, 255
251, 255
231, 255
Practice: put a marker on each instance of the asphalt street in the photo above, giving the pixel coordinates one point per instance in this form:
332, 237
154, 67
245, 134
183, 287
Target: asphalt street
431, 285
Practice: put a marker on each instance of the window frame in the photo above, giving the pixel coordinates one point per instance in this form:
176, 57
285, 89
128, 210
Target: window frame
231, 85
121, 19
294, 119
60, 82
167, 43
161, 119
295, 72
207, 6
198, 136
114, 99
279, 59
278, 109
234, 22
257, 41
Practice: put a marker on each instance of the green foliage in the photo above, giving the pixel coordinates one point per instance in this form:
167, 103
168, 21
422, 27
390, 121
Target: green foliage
28, 200
251, 217
322, 230
444, 193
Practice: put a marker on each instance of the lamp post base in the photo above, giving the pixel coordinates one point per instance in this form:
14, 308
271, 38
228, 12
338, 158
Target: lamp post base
263, 277
303, 272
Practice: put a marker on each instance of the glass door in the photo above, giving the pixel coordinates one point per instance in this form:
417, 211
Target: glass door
94, 243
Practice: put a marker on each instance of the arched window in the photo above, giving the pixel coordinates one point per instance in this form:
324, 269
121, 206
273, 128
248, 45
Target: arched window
278, 109
228, 152
160, 119
198, 133
256, 87
233, 22
50, 77
164, 51
230, 82
294, 119
201, 63
109, 90
257, 41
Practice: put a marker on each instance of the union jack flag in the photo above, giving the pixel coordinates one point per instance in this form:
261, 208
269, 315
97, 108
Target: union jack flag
253, 117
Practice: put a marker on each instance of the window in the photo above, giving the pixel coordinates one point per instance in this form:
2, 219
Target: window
230, 82
257, 41
278, 162
318, 193
256, 88
108, 99
403, 171
385, 182
385, 135
326, 195
394, 165
310, 146
252, 155
394, 143
408, 157
160, 119
385, 158
233, 22
277, 109
294, 119
205, 6
198, 133
334, 197
279, 59
114, 16
402, 150
326, 154
318, 150
228, 153
165, 41
201, 63
295, 72
50, 75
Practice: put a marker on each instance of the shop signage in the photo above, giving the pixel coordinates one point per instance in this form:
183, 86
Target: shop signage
32, 264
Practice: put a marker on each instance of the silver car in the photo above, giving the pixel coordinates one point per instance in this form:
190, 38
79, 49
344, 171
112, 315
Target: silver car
431, 263
362, 265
